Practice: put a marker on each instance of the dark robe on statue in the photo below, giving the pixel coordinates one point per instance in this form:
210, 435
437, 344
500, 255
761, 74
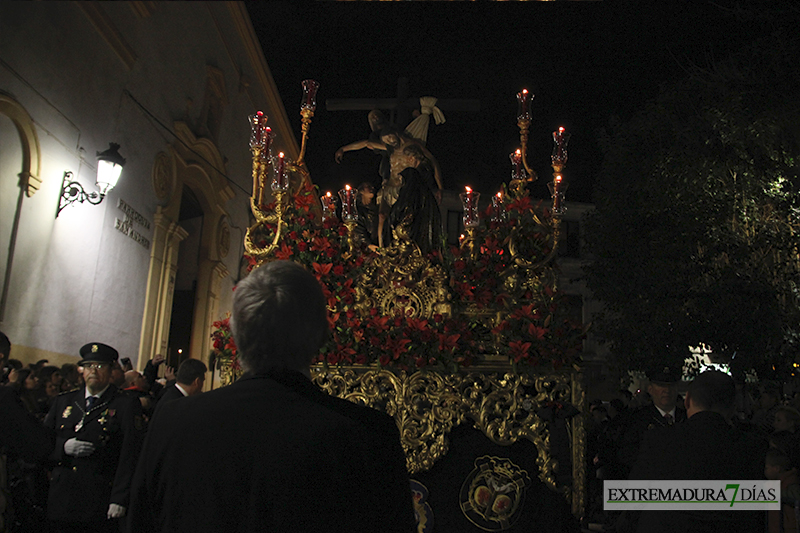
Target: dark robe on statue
417, 207
366, 229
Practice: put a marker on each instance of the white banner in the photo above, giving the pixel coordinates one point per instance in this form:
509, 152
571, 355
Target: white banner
694, 495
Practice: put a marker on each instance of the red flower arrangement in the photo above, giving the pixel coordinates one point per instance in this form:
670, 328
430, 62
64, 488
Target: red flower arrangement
532, 334
222, 343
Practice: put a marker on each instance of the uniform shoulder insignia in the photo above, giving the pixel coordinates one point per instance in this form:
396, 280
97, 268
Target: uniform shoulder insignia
69, 391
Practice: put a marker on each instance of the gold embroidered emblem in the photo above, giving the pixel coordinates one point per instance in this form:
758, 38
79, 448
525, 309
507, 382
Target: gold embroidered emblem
94, 348
67, 412
493, 494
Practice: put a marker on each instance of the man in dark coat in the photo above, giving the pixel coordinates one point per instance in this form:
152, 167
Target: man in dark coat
98, 438
272, 452
189, 381
704, 447
664, 411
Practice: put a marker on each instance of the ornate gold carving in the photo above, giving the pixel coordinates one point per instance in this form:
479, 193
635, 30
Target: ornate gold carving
578, 429
163, 176
227, 373
401, 280
427, 406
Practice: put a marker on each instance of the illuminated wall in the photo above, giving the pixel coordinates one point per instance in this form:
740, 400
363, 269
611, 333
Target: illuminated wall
172, 83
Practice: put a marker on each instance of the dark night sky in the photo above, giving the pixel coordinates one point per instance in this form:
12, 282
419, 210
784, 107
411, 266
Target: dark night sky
584, 61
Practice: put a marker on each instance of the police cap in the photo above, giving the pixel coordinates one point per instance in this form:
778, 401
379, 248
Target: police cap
97, 352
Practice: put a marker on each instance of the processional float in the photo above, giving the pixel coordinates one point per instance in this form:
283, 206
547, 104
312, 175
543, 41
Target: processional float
475, 335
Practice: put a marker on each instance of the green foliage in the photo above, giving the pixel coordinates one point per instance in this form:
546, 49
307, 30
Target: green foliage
695, 235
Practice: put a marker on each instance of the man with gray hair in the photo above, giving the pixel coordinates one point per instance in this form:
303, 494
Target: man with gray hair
272, 452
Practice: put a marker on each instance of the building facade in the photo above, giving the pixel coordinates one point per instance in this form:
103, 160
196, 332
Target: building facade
152, 266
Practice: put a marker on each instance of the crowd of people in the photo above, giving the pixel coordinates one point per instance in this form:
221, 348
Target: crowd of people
72, 434
117, 450
755, 429
121, 450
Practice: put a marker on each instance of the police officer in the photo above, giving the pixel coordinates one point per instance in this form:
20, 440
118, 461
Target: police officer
98, 438
664, 411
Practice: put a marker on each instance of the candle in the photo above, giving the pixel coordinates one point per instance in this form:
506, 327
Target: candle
469, 201
328, 207
524, 107
498, 208
267, 139
557, 193
309, 95
348, 197
518, 172
560, 140
258, 125
280, 180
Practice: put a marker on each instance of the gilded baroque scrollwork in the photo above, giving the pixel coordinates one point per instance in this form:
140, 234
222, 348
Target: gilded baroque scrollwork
228, 373
428, 405
401, 280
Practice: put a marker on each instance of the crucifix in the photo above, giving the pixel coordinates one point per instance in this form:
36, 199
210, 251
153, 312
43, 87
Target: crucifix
401, 106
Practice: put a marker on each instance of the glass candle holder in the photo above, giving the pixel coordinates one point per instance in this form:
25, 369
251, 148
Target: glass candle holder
498, 208
309, 95
560, 140
524, 105
557, 189
469, 201
328, 207
517, 168
258, 131
280, 176
348, 198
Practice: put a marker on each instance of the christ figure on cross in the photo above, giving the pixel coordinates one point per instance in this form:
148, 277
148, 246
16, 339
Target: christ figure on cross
392, 144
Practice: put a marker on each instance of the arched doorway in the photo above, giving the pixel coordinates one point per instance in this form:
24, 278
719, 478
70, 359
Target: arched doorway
191, 237
190, 219
19, 176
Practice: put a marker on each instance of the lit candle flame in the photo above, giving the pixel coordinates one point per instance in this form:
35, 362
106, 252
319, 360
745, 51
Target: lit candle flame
280, 154
347, 187
328, 194
468, 189
558, 178
500, 195
524, 91
561, 129
518, 152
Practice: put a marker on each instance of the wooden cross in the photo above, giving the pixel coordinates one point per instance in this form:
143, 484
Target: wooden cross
401, 106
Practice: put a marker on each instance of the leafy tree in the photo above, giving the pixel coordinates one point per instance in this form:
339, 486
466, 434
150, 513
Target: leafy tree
695, 235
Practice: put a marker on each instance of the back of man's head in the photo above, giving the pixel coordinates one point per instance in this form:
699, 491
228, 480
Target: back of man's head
190, 370
713, 391
279, 318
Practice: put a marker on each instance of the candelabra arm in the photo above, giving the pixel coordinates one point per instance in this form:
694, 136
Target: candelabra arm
261, 252
256, 172
306, 114
351, 243
524, 263
524, 126
470, 243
